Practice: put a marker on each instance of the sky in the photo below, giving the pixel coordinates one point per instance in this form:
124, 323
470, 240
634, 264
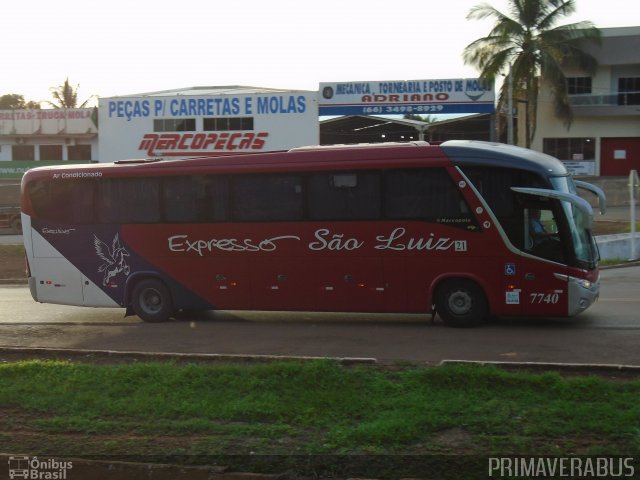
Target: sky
123, 47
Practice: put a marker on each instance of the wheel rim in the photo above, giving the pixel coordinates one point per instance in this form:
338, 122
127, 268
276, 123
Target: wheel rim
460, 302
151, 300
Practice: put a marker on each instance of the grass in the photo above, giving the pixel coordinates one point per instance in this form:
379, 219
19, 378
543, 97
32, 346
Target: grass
628, 229
612, 261
310, 408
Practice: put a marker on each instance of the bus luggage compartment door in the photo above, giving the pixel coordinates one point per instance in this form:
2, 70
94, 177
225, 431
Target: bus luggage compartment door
329, 284
351, 284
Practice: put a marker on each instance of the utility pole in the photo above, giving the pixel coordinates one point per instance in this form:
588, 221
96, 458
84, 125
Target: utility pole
634, 187
510, 107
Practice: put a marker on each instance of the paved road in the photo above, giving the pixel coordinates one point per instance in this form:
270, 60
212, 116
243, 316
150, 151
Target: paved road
608, 333
10, 239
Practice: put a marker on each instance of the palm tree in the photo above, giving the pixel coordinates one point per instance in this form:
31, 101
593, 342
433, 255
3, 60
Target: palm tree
527, 47
66, 96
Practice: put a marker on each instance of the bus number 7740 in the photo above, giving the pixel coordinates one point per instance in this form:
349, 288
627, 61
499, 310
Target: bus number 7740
548, 298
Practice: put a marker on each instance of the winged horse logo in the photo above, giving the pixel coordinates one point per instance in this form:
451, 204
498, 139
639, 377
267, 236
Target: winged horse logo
114, 258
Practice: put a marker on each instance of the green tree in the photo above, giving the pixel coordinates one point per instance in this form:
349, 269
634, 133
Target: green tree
528, 46
14, 101
65, 96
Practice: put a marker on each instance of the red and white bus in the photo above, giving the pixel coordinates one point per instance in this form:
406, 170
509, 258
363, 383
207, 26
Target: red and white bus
368, 228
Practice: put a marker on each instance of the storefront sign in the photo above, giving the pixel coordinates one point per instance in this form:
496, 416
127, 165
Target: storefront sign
460, 95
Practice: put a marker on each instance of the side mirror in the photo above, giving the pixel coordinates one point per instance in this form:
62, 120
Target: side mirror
602, 199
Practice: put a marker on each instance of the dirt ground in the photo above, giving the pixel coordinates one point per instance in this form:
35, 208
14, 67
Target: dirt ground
12, 262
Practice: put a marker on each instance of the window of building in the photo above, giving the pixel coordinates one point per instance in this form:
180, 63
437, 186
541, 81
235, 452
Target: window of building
23, 152
570, 149
578, 85
227, 124
50, 152
629, 91
79, 152
174, 125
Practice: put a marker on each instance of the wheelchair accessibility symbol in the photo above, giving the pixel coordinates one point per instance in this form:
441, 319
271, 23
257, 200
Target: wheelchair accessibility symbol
510, 269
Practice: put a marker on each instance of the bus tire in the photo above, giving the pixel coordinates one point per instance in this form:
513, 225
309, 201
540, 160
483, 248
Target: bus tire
461, 303
151, 301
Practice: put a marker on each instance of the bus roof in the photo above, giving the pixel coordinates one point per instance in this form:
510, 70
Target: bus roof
411, 154
487, 154
342, 157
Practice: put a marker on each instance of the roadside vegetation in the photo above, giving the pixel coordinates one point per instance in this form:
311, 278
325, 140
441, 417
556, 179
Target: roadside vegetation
298, 411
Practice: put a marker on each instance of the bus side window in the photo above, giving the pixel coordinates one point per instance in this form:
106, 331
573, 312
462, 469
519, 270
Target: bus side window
424, 194
264, 198
180, 199
493, 185
344, 196
68, 201
142, 203
195, 199
213, 199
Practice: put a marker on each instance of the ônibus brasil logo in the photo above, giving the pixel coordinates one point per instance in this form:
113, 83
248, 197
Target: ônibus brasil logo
37, 469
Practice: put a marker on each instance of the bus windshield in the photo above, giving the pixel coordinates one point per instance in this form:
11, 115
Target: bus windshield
584, 245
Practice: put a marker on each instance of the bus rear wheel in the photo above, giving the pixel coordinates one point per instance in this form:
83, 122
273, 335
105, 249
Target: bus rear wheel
461, 303
151, 301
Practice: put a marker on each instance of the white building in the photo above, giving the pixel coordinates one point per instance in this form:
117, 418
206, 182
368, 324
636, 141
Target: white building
206, 121
604, 138
48, 135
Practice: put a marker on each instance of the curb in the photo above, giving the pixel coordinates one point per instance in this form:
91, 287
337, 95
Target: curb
84, 354
577, 368
13, 281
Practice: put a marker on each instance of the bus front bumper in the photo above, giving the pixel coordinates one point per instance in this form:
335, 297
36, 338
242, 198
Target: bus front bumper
582, 293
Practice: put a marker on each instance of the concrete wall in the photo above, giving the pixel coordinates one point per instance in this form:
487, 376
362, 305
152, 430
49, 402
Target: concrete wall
618, 246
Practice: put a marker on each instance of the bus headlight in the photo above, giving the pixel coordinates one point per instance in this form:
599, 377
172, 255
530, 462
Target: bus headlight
586, 284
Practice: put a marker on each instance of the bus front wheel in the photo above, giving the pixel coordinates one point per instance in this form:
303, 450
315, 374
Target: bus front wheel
151, 301
461, 303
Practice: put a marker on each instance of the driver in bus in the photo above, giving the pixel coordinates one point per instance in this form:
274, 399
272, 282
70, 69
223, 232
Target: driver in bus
538, 232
